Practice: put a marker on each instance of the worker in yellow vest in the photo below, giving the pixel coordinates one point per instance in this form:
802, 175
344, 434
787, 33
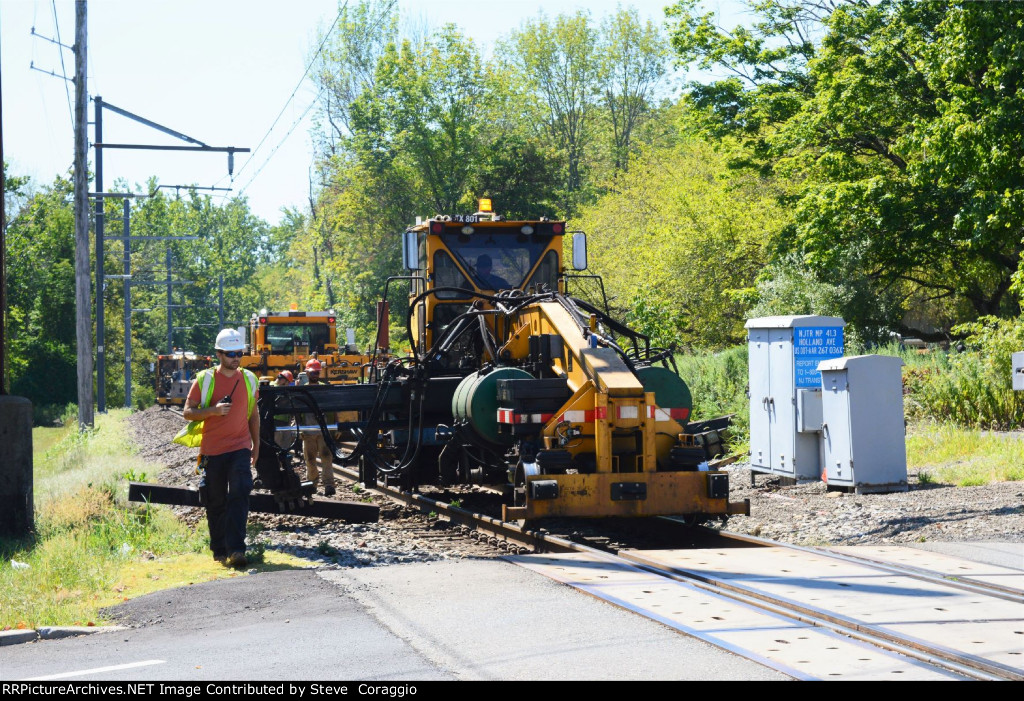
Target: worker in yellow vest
223, 398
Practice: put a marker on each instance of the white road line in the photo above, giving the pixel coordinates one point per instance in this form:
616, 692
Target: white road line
97, 670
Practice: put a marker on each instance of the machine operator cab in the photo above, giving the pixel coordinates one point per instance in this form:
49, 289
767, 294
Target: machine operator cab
453, 259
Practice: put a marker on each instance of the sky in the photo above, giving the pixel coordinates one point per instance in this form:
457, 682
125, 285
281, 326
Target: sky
224, 72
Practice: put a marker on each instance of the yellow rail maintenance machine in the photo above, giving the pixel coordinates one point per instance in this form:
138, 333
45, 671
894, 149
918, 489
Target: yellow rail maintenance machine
513, 382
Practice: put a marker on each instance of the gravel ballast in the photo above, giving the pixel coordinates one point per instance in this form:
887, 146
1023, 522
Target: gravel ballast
804, 513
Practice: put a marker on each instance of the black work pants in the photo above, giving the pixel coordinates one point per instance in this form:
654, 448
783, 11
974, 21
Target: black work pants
227, 480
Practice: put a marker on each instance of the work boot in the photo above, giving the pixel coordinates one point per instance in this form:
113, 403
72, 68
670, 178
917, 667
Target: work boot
236, 560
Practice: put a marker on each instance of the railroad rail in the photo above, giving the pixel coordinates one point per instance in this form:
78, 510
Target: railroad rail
812, 613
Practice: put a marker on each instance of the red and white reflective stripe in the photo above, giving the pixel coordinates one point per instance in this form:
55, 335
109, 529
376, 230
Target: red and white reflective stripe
507, 416
660, 414
579, 416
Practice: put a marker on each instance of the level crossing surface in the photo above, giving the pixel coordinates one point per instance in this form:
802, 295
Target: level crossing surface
474, 619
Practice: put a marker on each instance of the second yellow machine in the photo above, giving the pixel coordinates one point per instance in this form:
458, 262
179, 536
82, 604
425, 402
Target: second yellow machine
513, 382
286, 340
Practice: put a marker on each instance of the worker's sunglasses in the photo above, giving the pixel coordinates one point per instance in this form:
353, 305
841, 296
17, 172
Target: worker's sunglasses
231, 354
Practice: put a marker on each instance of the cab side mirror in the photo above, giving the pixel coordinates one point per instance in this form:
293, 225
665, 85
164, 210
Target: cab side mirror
579, 251
410, 252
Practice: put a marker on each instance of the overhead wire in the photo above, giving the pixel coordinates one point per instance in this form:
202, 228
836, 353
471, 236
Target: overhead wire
312, 104
312, 61
63, 70
281, 142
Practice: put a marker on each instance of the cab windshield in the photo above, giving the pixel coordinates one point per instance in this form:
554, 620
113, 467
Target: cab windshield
496, 259
283, 338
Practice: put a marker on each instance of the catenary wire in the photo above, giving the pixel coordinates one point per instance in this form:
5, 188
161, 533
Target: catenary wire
312, 61
60, 52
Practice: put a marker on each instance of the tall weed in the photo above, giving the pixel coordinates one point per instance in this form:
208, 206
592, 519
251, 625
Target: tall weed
96, 456
718, 384
972, 388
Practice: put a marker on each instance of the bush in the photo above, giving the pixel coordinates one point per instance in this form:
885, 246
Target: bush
53, 414
718, 383
790, 287
972, 389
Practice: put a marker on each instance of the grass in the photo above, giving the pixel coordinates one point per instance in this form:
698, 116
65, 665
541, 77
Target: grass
946, 454
44, 438
68, 458
91, 547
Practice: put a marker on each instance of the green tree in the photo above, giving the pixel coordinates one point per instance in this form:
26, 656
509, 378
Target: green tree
41, 299
766, 64
521, 175
231, 243
425, 112
633, 57
679, 242
15, 190
560, 60
346, 66
897, 123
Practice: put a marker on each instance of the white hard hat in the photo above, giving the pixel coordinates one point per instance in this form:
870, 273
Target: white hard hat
229, 340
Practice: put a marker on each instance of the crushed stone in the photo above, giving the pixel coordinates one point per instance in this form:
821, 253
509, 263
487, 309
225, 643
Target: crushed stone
805, 513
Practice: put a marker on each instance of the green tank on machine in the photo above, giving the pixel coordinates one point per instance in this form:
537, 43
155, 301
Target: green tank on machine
670, 392
476, 401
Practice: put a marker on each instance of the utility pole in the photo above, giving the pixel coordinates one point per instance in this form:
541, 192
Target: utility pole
3, 260
101, 353
127, 305
83, 302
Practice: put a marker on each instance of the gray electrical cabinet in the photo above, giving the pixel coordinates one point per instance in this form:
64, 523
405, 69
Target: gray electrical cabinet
1017, 360
863, 432
785, 391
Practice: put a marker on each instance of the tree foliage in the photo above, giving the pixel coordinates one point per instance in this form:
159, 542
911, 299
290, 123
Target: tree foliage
560, 60
425, 115
632, 61
41, 352
40, 270
896, 123
347, 64
678, 244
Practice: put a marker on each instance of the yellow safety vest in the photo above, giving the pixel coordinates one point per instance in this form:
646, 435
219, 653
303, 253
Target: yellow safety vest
192, 434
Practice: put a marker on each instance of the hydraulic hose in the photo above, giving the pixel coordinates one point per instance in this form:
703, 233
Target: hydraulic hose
494, 299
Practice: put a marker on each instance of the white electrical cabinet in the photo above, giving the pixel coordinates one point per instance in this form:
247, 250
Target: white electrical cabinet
863, 432
785, 391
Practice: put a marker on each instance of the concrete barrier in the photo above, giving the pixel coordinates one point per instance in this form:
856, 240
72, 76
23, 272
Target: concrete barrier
17, 516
